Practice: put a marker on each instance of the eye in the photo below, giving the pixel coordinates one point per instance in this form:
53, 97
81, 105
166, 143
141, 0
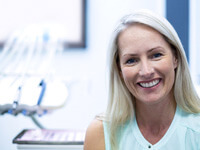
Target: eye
131, 61
157, 55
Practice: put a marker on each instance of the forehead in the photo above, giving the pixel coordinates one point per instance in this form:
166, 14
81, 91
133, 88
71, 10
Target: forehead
138, 29
139, 35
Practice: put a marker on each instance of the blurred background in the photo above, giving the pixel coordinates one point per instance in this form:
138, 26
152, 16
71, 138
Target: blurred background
82, 28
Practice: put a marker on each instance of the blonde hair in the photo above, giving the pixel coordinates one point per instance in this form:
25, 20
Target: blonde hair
121, 103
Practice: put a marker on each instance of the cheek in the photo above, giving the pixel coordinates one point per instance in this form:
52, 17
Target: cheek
128, 75
167, 66
169, 72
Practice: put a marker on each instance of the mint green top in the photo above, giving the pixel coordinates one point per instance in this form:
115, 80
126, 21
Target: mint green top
183, 134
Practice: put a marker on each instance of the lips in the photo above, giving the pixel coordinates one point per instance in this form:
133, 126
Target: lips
149, 84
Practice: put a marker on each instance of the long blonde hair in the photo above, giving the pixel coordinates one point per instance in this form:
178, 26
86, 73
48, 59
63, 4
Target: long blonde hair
121, 103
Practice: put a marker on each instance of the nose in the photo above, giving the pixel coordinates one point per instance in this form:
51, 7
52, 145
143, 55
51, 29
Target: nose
146, 69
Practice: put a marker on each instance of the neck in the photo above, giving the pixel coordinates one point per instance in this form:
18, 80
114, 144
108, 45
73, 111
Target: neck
154, 119
155, 114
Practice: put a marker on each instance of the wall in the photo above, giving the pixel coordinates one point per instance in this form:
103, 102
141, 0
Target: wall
194, 41
85, 69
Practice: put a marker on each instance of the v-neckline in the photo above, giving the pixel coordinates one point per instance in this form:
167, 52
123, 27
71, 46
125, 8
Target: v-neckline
146, 144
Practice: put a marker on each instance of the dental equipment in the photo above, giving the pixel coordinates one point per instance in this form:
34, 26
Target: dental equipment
26, 66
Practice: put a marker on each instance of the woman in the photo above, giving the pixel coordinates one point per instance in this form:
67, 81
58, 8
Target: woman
152, 102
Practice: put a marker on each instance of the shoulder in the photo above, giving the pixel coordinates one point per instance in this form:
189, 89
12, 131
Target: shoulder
192, 134
191, 121
94, 139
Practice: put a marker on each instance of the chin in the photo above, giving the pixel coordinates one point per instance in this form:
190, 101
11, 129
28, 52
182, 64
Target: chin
150, 101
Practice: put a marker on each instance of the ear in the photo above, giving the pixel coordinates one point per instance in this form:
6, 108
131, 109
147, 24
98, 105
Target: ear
120, 73
119, 68
175, 62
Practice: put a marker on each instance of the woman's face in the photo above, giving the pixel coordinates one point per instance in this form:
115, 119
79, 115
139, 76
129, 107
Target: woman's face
147, 64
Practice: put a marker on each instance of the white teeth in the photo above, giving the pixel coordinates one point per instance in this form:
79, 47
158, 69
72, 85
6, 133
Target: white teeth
150, 84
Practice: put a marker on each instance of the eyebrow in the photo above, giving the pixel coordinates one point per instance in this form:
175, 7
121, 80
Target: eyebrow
154, 49
148, 51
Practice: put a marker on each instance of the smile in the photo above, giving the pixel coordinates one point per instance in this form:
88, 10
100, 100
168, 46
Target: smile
149, 84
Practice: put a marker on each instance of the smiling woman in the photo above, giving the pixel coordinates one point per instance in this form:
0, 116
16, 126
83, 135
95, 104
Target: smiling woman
152, 101
152, 75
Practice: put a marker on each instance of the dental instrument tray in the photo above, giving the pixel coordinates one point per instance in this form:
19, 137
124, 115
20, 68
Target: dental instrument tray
36, 96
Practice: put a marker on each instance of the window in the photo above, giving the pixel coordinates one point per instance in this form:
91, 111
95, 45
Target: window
64, 16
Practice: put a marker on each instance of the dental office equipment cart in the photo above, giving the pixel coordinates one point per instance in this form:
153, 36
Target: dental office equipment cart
47, 139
